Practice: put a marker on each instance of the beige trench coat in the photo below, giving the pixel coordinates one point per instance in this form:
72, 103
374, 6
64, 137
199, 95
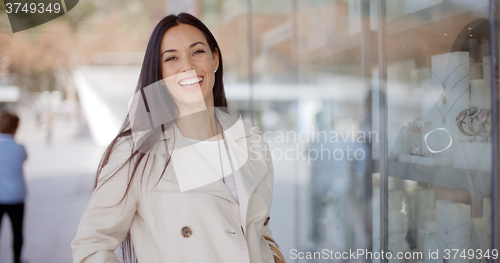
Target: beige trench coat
204, 224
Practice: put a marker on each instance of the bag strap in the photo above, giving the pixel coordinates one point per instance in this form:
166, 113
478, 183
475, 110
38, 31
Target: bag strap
275, 249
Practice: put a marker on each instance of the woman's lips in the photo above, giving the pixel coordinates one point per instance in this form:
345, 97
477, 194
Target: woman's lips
191, 87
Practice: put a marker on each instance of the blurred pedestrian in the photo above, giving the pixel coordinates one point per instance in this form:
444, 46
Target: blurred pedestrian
49, 125
12, 184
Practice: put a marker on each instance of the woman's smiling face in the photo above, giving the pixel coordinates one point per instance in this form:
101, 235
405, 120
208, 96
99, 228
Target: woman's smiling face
188, 65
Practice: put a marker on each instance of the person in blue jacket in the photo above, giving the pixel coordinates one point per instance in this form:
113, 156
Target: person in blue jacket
12, 184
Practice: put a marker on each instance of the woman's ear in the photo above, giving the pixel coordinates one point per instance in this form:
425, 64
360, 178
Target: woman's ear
215, 55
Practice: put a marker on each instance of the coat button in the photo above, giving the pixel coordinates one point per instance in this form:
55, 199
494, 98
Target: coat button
186, 231
267, 221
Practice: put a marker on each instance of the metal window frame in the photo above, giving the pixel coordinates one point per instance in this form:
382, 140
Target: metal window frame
495, 106
383, 164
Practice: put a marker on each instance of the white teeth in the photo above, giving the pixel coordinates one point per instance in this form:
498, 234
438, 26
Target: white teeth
190, 81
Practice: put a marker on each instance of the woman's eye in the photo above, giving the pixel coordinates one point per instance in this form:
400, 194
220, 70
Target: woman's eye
198, 52
170, 58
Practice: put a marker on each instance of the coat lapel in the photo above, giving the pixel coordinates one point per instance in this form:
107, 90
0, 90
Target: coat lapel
192, 173
249, 169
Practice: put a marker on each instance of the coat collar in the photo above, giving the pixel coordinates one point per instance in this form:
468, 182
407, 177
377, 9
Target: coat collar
226, 120
249, 169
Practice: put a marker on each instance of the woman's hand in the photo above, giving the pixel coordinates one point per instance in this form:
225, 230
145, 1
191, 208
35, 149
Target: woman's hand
277, 260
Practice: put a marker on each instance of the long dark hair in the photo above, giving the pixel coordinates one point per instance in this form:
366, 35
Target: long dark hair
150, 73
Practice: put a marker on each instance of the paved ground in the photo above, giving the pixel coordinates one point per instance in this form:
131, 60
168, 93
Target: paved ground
60, 177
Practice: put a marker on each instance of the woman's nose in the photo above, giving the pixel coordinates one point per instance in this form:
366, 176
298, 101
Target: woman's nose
187, 64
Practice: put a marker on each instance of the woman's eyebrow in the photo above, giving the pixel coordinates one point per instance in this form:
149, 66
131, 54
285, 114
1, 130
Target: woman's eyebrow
196, 43
190, 46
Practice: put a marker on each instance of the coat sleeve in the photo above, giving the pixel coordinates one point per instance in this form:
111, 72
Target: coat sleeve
106, 221
268, 235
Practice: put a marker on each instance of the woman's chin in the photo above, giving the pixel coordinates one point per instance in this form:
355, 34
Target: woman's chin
194, 103
190, 87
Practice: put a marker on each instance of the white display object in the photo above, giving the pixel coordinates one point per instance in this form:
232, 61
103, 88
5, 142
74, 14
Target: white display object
424, 200
398, 223
480, 94
453, 227
453, 69
449, 80
486, 69
475, 155
472, 156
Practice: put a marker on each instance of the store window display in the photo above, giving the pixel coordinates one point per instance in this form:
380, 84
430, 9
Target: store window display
440, 162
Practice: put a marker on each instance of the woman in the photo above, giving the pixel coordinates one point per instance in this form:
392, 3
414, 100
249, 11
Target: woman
185, 180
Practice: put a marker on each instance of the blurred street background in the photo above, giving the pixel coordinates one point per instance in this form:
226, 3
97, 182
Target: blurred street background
343, 90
